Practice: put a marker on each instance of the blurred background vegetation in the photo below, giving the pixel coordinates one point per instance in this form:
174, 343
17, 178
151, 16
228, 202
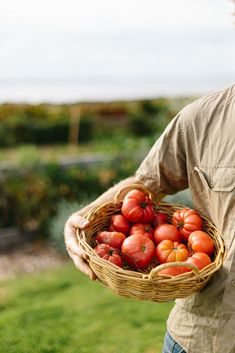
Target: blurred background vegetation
56, 158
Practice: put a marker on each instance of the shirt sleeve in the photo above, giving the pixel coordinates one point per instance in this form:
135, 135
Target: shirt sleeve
164, 168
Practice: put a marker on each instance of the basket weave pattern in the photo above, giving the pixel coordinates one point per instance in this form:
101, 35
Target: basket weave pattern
147, 286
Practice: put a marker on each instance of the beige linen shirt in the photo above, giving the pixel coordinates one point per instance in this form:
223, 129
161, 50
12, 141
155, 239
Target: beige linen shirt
197, 150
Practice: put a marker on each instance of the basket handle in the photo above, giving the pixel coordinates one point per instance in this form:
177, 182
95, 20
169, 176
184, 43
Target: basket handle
123, 191
156, 269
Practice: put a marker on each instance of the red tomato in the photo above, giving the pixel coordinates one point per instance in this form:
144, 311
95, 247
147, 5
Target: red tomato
200, 241
137, 207
138, 251
159, 218
173, 271
199, 259
113, 239
119, 223
166, 232
108, 253
186, 221
144, 229
168, 251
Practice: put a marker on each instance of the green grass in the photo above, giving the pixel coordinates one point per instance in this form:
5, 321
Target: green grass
62, 311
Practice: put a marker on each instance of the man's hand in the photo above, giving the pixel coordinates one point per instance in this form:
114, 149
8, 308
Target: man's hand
76, 221
76, 253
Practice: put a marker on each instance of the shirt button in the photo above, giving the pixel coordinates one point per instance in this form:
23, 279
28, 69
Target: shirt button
233, 282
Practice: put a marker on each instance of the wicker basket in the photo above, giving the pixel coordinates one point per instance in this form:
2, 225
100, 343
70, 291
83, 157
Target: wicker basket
146, 286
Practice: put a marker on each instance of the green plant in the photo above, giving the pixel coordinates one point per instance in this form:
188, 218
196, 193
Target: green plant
140, 124
161, 105
56, 224
28, 156
86, 128
29, 195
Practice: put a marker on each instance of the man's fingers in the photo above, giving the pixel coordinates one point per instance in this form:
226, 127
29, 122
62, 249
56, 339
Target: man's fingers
77, 221
72, 244
83, 267
79, 258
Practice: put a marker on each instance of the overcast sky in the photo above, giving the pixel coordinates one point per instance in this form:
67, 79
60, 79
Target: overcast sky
57, 38
131, 40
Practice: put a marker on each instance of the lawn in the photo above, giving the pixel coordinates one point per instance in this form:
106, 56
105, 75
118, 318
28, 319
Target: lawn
62, 311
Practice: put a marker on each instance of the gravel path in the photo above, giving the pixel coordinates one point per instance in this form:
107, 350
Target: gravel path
28, 259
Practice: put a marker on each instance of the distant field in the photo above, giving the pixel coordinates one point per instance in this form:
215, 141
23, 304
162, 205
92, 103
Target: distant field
61, 311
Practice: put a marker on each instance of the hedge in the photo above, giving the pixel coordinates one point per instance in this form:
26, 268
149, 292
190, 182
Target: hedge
41, 133
50, 124
29, 198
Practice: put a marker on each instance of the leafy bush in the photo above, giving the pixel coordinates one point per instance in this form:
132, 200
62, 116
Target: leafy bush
40, 126
18, 130
29, 197
86, 128
140, 124
159, 106
51, 124
149, 118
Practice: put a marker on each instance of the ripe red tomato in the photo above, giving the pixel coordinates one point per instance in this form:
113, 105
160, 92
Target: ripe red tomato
200, 241
137, 207
199, 259
108, 253
159, 218
186, 221
173, 271
113, 239
120, 223
168, 251
138, 251
144, 229
166, 232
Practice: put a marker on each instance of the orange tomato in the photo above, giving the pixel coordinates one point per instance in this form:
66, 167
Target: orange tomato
186, 221
168, 251
200, 241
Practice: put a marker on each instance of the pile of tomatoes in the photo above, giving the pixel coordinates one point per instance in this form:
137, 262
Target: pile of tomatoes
138, 238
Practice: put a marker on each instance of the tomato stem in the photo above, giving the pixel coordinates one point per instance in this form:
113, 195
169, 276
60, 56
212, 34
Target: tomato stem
143, 204
143, 248
180, 225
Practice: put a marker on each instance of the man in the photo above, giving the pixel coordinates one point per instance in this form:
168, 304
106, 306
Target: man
196, 150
